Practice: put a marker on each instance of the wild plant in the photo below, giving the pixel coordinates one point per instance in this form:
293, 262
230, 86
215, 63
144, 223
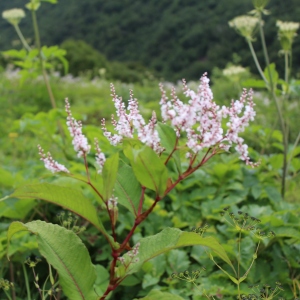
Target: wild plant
278, 89
138, 168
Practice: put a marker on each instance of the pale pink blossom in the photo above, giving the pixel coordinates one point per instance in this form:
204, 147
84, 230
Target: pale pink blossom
50, 163
130, 123
79, 142
100, 157
201, 119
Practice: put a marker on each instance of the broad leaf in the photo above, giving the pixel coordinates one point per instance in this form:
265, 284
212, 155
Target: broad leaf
158, 295
271, 74
69, 198
64, 250
168, 140
110, 171
149, 170
127, 188
172, 238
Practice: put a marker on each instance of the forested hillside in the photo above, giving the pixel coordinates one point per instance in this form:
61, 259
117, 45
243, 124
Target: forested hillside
178, 38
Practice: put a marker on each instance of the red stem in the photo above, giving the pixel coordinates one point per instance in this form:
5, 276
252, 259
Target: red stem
114, 282
141, 201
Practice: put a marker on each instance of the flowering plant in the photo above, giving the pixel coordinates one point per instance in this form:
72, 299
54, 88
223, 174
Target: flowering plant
145, 153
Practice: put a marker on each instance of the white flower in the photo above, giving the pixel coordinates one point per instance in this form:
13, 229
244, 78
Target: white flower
245, 26
13, 16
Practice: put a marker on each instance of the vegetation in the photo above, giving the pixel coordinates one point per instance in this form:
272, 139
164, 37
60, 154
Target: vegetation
178, 39
135, 221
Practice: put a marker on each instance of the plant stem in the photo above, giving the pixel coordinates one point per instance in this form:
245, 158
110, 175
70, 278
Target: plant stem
282, 123
239, 261
21, 37
286, 67
257, 63
12, 279
26, 282
38, 45
7, 294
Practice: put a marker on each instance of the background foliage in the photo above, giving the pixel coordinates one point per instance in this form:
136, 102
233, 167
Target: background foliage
196, 33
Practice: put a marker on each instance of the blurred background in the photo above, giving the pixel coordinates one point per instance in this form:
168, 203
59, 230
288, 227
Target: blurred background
170, 39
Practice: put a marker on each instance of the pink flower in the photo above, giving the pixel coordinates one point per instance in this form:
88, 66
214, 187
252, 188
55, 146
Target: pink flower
79, 142
201, 119
130, 122
100, 157
50, 163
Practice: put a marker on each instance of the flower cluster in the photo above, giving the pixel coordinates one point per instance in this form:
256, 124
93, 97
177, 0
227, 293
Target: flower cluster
13, 16
100, 157
131, 122
189, 276
234, 70
201, 119
244, 222
79, 142
245, 26
50, 163
286, 33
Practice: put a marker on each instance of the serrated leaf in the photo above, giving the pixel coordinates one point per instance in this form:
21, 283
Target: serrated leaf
70, 258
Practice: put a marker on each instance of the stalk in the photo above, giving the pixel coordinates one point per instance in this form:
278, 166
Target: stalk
26, 282
21, 37
282, 123
38, 45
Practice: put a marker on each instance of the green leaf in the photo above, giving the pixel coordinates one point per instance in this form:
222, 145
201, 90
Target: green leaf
15, 208
168, 141
110, 170
127, 188
21, 54
172, 238
288, 232
66, 197
64, 250
273, 194
253, 83
149, 170
271, 70
158, 295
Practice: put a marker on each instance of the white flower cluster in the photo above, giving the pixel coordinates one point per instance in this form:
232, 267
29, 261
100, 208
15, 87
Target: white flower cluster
201, 119
14, 15
287, 26
50, 163
244, 25
129, 122
233, 70
79, 142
